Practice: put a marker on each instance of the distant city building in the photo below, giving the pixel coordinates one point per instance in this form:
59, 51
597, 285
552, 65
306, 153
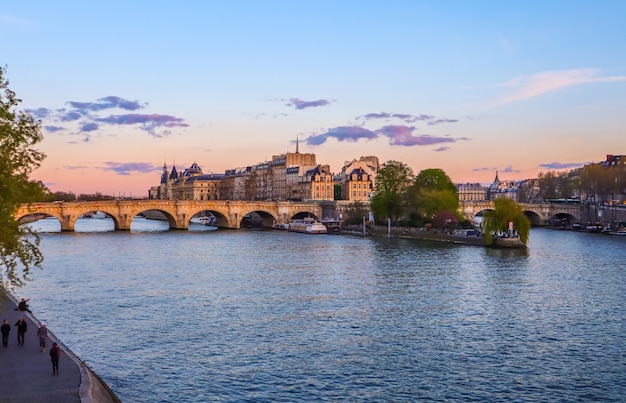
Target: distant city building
498, 188
191, 184
358, 178
471, 192
310, 183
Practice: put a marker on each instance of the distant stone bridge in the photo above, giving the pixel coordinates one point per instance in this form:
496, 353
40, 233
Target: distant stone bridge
178, 213
538, 214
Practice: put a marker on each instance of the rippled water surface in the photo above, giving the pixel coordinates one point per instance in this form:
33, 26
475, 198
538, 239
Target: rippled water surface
274, 316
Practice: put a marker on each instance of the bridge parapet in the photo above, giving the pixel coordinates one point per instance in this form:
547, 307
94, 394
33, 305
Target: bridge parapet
539, 212
178, 213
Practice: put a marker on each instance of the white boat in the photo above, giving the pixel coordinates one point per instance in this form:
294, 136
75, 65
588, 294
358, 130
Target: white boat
204, 220
307, 226
280, 225
95, 214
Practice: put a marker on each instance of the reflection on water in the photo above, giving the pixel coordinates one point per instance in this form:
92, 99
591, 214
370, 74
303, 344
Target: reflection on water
275, 316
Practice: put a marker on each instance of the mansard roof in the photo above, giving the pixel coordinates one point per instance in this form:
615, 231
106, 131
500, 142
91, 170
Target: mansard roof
360, 172
193, 170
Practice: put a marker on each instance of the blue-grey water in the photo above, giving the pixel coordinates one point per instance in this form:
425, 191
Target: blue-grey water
260, 316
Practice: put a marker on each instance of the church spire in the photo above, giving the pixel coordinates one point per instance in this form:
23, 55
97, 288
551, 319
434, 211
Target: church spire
297, 145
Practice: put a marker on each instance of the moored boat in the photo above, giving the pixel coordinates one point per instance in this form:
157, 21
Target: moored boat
307, 226
280, 225
332, 224
205, 220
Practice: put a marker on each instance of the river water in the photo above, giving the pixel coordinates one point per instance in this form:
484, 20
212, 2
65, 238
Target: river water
260, 316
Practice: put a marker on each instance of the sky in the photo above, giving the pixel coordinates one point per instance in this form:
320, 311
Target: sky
470, 87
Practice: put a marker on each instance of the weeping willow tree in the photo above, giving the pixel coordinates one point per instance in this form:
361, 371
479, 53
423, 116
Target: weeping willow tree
497, 221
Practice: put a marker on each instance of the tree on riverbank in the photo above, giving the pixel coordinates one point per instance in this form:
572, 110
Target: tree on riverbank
392, 182
497, 221
19, 132
434, 195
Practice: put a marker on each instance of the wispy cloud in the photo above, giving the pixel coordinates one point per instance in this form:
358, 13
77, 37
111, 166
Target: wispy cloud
341, 133
126, 168
398, 136
300, 104
89, 127
562, 165
403, 136
509, 169
53, 129
86, 120
149, 123
407, 118
525, 87
109, 102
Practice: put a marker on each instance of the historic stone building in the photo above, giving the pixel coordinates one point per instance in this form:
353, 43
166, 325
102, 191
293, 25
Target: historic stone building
500, 188
471, 192
310, 183
191, 184
289, 176
358, 178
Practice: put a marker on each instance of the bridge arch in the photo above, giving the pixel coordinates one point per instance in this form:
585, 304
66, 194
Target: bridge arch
178, 213
534, 218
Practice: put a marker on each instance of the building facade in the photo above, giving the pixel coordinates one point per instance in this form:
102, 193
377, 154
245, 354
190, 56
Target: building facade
471, 192
358, 178
191, 184
289, 176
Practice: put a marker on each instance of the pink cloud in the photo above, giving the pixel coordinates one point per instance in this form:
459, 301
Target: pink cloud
525, 87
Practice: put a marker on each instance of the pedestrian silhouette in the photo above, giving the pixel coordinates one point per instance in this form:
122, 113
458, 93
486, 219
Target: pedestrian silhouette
22, 327
42, 332
5, 329
55, 353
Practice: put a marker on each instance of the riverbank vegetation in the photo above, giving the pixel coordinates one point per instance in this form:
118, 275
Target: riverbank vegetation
507, 218
19, 133
430, 198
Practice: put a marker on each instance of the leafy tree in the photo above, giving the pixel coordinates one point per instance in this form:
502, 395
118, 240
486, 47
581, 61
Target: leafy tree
392, 181
19, 245
434, 179
60, 196
432, 193
497, 220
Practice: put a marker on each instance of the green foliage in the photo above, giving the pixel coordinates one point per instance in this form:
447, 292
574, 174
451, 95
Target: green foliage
18, 134
389, 200
496, 221
434, 179
433, 193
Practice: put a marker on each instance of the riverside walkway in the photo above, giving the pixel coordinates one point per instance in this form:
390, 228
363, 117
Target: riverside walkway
26, 372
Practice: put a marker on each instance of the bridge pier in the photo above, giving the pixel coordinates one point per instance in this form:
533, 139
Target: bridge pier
178, 213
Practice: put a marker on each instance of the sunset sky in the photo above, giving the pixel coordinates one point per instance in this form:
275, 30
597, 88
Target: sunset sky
471, 87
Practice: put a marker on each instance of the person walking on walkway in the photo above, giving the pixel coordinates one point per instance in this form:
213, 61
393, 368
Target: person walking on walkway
5, 329
42, 332
55, 353
22, 327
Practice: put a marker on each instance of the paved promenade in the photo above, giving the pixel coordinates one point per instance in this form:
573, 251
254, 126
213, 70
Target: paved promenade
26, 372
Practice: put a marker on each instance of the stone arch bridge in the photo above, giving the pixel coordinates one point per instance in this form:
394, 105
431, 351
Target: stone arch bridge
538, 214
178, 213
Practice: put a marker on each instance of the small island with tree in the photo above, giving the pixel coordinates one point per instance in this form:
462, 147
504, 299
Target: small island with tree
426, 206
